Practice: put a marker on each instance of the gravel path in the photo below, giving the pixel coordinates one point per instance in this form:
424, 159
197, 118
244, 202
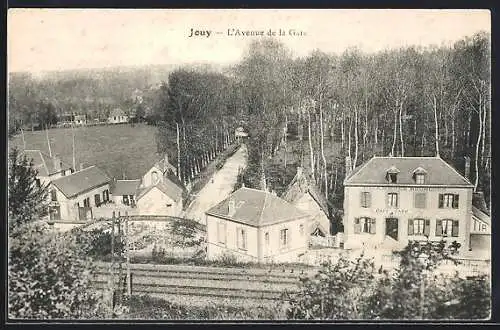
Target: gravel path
219, 187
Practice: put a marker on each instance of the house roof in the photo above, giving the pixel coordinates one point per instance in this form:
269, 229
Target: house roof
125, 187
477, 213
164, 165
256, 208
42, 162
438, 172
479, 202
167, 187
117, 112
301, 184
81, 181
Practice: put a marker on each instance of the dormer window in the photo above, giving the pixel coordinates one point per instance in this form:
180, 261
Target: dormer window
419, 175
392, 175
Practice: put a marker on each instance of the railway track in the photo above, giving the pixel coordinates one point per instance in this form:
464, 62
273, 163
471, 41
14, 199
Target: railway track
201, 284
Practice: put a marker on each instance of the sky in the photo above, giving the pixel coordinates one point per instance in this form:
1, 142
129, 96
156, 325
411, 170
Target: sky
64, 39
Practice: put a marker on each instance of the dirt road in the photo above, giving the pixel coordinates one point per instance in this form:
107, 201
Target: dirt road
219, 187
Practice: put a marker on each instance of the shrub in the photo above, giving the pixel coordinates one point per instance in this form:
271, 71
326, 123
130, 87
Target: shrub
50, 277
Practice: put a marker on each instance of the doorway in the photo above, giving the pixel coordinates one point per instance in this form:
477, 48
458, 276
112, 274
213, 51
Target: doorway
391, 228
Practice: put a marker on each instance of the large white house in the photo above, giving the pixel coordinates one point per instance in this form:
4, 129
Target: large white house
256, 226
391, 200
74, 196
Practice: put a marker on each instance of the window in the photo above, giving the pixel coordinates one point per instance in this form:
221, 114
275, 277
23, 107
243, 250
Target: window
37, 182
364, 225
448, 201
392, 199
392, 174
301, 229
366, 199
97, 199
266, 238
241, 238
86, 202
154, 177
420, 178
420, 200
479, 226
419, 227
447, 228
221, 232
125, 200
53, 195
169, 205
105, 195
284, 238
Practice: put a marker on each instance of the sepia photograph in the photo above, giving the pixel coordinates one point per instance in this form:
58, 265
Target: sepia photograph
249, 164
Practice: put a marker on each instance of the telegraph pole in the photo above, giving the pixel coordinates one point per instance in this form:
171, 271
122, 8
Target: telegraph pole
127, 246
113, 263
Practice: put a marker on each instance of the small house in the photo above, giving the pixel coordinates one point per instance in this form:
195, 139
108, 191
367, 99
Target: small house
118, 116
49, 168
160, 171
80, 120
124, 192
256, 226
303, 193
73, 197
162, 198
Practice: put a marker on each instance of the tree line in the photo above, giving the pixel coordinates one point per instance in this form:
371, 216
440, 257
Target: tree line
411, 101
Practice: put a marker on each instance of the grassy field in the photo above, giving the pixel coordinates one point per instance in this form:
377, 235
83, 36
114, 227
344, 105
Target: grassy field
117, 149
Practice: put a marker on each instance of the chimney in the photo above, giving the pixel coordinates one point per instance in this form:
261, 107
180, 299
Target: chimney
166, 159
467, 167
231, 208
57, 163
82, 166
348, 166
299, 171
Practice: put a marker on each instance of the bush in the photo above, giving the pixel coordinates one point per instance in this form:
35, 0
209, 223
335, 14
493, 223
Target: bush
50, 277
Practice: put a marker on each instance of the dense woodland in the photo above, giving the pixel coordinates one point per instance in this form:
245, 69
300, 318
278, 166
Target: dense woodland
403, 102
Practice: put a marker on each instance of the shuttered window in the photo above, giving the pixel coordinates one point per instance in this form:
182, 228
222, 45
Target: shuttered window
221, 232
448, 201
447, 228
419, 227
53, 195
241, 238
284, 238
97, 199
420, 200
392, 200
364, 225
366, 199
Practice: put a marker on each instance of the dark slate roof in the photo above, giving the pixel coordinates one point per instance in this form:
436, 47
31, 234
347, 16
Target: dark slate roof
438, 171
125, 187
81, 181
43, 163
302, 184
479, 202
481, 215
256, 208
167, 187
